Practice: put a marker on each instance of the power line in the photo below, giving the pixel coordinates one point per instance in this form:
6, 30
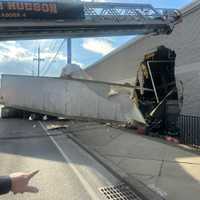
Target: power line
44, 44
52, 44
47, 66
52, 60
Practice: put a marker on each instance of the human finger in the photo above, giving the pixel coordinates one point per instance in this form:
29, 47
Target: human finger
32, 174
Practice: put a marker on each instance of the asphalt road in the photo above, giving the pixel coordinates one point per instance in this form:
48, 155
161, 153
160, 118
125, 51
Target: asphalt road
66, 171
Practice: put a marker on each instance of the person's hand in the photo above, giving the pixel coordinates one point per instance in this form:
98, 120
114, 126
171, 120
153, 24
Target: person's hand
20, 181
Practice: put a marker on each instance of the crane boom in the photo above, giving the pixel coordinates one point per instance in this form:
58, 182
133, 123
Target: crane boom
98, 19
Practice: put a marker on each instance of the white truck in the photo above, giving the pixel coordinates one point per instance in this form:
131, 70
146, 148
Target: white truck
152, 100
69, 98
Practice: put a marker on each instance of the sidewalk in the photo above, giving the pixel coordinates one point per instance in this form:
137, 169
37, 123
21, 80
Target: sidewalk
172, 172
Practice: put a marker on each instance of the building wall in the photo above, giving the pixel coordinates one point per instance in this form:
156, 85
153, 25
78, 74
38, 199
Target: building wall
121, 65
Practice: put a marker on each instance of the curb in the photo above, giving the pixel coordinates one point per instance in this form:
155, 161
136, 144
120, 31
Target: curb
137, 186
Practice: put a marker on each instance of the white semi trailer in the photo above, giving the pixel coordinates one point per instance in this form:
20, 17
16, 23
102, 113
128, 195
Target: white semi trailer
152, 100
70, 98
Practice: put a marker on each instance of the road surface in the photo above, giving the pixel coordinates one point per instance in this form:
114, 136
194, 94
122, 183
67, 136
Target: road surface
66, 171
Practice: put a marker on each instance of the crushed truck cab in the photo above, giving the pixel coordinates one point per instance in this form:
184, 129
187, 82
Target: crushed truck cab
156, 95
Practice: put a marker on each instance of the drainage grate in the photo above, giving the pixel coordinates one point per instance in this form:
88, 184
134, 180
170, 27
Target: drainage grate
119, 192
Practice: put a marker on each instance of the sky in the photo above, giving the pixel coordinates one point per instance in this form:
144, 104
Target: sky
16, 57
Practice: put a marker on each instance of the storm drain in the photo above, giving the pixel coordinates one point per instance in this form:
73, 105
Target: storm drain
119, 192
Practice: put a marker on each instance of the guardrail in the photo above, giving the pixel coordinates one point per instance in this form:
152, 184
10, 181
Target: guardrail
189, 128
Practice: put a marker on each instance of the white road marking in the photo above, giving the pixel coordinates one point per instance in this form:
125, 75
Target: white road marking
85, 184
158, 190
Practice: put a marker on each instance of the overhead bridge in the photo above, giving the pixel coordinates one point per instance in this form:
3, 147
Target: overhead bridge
97, 19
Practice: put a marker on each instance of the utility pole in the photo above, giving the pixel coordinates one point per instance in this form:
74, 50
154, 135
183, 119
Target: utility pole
69, 51
39, 60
